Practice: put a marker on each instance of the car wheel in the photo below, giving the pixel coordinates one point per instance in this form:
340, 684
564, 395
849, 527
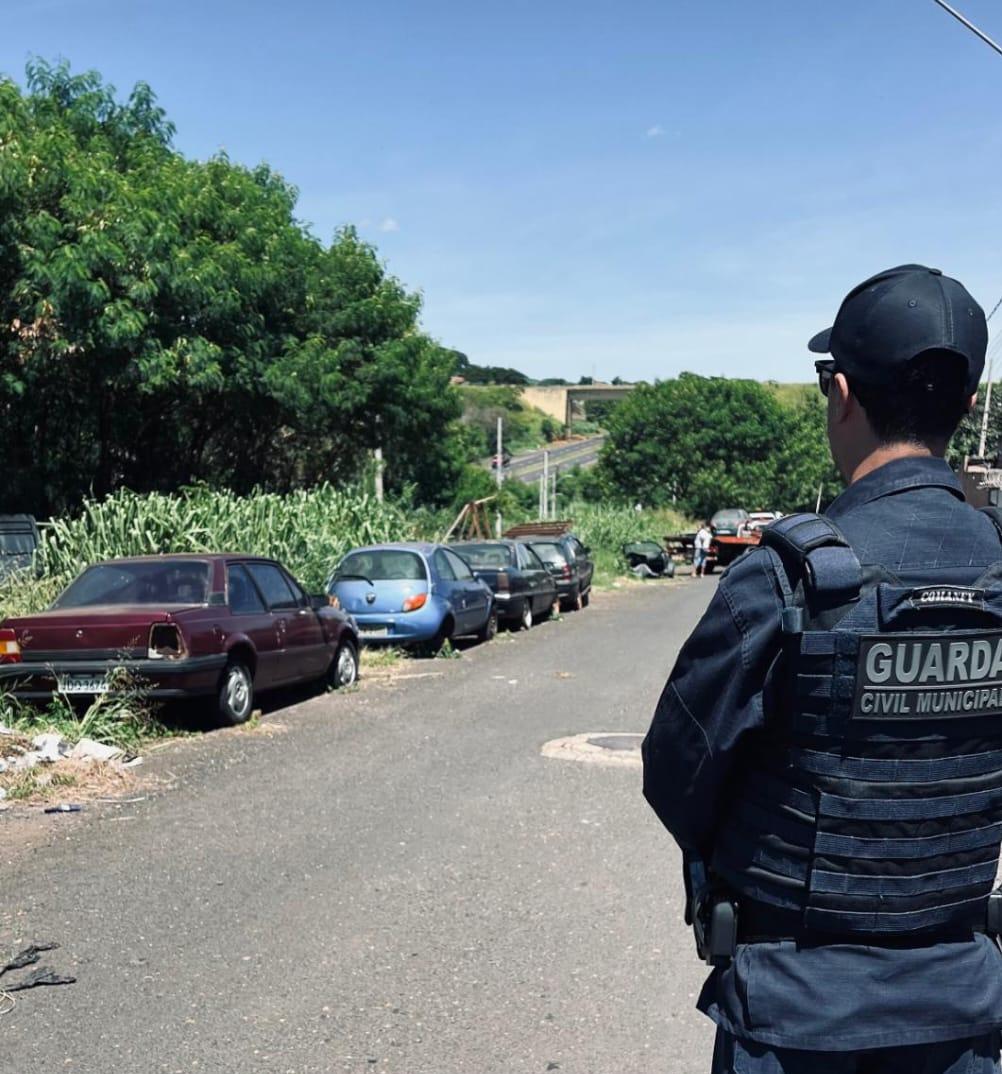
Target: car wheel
490, 628
433, 646
586, 598
236, 694
525, 620
344, 667
573, 601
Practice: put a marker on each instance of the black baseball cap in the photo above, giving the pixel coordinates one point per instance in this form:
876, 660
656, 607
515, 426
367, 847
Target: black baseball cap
890, 318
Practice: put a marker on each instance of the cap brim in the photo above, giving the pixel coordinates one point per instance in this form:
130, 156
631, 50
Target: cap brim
821, 343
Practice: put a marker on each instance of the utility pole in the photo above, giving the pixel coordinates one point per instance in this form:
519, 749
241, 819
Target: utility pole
499, 462
378, 456
499, 457
984, 417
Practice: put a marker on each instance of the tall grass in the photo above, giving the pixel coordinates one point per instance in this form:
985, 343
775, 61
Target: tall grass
605, 528
308, 531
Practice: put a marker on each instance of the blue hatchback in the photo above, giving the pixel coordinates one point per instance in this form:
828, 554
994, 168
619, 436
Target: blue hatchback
412, 594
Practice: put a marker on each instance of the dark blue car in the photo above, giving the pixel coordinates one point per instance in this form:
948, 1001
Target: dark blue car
412, 595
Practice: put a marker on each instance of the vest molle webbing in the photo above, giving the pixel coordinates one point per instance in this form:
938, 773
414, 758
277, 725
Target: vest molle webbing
872, 803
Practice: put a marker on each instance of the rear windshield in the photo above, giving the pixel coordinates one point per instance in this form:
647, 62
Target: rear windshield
485, 555
176, 582
17, 544
549, 553
382, 565
728, 520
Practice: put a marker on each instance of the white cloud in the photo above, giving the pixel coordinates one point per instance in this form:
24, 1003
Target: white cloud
389, 224
655, 132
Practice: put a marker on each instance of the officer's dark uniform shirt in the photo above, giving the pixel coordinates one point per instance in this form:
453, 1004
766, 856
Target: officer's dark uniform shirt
910, 517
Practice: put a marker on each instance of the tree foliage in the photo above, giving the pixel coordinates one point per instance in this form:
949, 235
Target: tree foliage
704, 443
164, 320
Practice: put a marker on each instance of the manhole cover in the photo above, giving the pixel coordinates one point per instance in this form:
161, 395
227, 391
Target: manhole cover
616, 742
619, 749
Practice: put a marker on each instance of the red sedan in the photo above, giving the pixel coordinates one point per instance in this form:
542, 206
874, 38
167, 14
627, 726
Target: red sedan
210, 626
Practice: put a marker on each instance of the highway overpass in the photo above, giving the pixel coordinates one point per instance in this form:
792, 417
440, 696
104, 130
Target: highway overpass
566, 402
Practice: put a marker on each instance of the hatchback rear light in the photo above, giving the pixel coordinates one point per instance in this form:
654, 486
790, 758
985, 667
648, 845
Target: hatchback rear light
565, 571
503, 581
10, 650
411, 604
165, 642
333, 601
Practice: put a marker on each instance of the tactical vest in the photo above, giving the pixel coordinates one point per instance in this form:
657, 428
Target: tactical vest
872, 800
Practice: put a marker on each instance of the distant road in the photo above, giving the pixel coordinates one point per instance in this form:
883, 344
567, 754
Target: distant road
529, 467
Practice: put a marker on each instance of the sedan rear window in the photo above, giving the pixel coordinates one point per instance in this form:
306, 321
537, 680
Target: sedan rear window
174, 582
17, 544
551, 554
485, 555
382, 565
729, 519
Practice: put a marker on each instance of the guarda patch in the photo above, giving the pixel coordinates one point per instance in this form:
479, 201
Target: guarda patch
947, 596
929, 677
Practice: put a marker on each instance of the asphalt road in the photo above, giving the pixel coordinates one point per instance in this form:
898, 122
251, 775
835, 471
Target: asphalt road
398, 882
529, 467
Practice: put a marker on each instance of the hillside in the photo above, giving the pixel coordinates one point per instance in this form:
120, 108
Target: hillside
791, 394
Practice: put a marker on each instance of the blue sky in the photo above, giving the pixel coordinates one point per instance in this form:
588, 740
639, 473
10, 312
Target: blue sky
628, 189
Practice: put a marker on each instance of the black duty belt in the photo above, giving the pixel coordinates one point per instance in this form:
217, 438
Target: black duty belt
760, 922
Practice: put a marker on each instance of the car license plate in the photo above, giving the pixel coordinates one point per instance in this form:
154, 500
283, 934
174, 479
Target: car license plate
82, 684
374, 631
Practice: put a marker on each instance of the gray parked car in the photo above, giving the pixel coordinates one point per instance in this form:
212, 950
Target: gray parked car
18, 542
524, 590
570, 563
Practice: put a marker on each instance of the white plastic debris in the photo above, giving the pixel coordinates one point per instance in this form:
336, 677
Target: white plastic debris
51, 746
87, 748
28, 759
5, 730
3, 794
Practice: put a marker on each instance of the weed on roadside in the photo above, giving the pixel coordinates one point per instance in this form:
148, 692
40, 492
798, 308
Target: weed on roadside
381, 657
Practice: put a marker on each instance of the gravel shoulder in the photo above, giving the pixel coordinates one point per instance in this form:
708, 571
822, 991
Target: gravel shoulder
393, 879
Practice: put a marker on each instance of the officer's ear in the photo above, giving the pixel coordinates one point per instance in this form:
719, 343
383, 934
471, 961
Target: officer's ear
841, 401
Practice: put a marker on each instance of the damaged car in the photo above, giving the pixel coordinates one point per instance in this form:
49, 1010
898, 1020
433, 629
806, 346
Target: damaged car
221, 628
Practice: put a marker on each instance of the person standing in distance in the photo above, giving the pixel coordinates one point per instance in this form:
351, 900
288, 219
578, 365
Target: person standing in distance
701, 549
827, 751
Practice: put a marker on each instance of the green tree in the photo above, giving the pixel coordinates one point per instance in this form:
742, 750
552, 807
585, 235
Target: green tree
707, 442
169, 321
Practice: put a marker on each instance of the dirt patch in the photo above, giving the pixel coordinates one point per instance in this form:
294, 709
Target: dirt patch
66, 781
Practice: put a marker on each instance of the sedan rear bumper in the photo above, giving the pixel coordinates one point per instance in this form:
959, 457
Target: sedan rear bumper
158, 679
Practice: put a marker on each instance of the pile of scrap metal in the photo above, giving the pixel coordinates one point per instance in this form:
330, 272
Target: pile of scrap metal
648, 559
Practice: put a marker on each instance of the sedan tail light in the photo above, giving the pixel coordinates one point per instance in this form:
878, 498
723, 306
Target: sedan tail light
10, 650
503, 580
411, 604
165, 642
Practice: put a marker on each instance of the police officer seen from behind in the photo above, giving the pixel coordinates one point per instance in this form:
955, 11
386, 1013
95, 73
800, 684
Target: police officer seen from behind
828, 749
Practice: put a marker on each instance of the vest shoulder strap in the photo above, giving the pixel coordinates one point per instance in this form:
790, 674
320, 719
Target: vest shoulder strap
815, 553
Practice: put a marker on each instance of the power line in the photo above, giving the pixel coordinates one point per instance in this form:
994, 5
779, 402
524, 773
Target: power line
970, 25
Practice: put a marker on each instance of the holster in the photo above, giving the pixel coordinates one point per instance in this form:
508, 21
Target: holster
713, 914
993, 916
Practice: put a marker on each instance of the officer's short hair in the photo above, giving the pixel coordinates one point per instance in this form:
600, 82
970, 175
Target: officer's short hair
927, 402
